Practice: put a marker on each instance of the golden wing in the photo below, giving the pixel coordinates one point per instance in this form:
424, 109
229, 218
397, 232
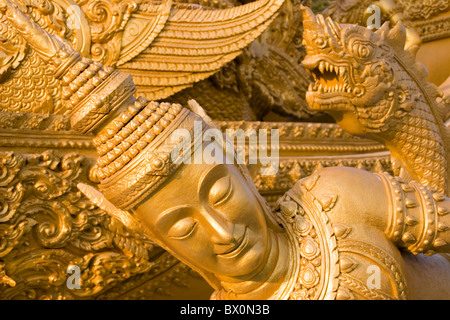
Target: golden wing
193, 44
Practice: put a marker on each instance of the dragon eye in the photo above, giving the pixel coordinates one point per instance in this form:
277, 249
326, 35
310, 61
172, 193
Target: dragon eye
182, 228
362, 50
320, 42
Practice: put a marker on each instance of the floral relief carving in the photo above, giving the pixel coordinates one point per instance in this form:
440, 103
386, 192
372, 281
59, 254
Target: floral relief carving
46, 224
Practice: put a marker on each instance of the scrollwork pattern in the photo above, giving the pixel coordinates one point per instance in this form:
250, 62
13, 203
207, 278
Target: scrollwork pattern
108, 20
423, 10
46, 224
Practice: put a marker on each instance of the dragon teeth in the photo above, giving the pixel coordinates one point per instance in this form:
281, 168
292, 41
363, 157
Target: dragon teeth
324, 88
326, 66
322, 67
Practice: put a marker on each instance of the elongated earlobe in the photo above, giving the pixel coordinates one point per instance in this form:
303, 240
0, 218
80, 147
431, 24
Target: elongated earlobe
99, 200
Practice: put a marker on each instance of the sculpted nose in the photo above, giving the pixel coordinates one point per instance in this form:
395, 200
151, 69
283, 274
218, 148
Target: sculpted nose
225, 235
221, 230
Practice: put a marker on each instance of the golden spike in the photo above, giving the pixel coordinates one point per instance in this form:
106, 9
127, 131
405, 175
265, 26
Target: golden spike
408, 238
341, 230
309, 20
442, 227
410, 204
439, 242
328, 201
383, 31
310, 182
347, 264
438, 197
413, 51
396, 37
411, 221
344, 294
442, 211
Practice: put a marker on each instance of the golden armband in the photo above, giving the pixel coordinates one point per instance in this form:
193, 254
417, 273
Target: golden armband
418, 217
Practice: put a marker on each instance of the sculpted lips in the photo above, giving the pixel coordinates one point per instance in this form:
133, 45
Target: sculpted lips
241, 243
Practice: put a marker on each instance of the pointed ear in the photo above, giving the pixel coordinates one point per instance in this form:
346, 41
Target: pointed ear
100, 201
396, 37
383, 31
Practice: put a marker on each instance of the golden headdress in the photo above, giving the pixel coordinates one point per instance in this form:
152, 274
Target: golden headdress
138, 150
132, 135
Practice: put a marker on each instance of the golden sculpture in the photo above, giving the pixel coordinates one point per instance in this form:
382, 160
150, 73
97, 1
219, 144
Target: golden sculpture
218, 224
373, 87
426, 23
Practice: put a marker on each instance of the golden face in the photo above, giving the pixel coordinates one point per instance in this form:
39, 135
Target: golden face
207, 216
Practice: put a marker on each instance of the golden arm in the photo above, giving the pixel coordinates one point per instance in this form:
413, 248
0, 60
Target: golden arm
412, 217
419, 219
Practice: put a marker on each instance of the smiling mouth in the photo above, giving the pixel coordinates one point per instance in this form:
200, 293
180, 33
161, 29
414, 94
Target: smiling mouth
241, 243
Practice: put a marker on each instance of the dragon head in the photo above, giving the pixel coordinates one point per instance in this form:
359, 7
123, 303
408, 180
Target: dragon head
355, 72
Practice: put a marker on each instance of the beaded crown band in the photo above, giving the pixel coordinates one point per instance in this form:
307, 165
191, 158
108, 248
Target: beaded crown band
135, 150
133, 137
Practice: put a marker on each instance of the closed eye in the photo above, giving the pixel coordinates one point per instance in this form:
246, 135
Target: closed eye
182, 228
221, 191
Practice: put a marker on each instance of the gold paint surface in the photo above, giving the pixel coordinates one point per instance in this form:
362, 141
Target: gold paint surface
98, 200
